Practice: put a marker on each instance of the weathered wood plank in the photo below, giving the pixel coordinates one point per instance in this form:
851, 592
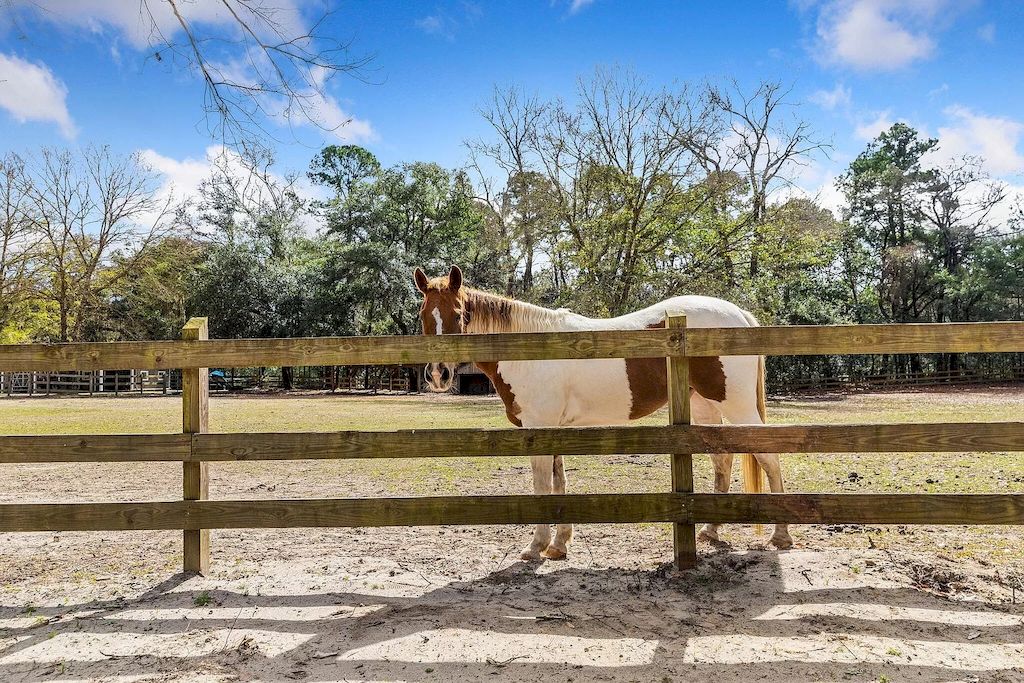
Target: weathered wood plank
684, 536
793, 340
975, 437
96, 448
195, 476
656, 507
941, 437
341, 350
859, 508
794, 508
856, 339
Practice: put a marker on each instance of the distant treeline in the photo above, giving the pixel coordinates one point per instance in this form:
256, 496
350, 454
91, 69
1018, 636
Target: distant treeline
632, 194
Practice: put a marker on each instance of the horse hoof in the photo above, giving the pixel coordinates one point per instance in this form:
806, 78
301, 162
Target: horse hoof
531, 554
553, 553
709, 536
782, 542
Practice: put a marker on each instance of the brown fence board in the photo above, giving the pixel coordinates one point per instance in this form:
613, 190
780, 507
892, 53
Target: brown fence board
856, 339
859, 508
791, 340
96, 448
231, 514
794, 508
341, 350
939, 437
438, 443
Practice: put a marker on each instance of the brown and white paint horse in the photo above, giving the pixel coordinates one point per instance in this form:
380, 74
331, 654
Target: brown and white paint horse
596, 392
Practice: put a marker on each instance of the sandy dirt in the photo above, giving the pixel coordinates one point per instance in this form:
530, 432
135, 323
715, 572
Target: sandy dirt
441, 604
446, 604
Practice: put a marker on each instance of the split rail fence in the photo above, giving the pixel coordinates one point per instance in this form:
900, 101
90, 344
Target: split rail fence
196, 448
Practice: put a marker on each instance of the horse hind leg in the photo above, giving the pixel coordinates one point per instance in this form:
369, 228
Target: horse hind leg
543, 470
557, 550
704, 411
769, 462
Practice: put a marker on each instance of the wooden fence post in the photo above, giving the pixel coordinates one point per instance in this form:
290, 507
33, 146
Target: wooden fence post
195, 404
684, 536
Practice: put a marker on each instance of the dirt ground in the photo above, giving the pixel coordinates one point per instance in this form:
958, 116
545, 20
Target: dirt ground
426, 604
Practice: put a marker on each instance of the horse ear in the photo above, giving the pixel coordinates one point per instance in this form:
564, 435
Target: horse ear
455, 279
421, 280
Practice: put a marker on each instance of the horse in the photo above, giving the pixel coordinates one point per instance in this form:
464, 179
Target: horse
597, 392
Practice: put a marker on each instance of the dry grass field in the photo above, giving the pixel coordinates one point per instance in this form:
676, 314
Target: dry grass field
850, 603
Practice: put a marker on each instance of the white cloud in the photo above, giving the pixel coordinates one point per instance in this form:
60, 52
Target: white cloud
838, 97
869, 130
181, 178
877, 34
434, 24
141, 23
578, 5
996, 139
987, 33
30, 92
326, 112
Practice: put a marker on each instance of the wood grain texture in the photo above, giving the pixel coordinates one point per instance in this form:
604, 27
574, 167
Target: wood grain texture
684, 536
527, 509
341, 350
859, 508
793, 508
971, 437
96, 448
869, 438
195, 418
856, 339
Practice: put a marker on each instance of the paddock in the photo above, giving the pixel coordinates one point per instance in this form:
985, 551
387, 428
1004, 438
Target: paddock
275, 602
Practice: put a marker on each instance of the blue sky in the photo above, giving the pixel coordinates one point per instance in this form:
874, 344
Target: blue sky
76, 72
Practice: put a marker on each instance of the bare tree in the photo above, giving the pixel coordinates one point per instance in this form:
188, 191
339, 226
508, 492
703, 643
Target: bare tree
89, 208
604, 173
759, 136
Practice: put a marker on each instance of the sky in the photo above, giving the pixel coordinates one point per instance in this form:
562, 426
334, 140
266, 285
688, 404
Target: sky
77, 72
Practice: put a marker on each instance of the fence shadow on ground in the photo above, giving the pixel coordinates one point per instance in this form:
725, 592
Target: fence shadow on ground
739, 616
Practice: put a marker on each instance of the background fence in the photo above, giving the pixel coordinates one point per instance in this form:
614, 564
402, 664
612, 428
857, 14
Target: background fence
195, 514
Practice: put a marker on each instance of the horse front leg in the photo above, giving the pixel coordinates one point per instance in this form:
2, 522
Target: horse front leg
557, 550
543, 482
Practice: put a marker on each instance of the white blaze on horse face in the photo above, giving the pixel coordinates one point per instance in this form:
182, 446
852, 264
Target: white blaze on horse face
437, 319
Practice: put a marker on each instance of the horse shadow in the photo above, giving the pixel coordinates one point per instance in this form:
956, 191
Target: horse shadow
738, 616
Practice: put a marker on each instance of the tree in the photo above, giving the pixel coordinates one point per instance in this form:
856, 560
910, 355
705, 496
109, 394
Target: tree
97, 214
19, 241
385, 222
760, 142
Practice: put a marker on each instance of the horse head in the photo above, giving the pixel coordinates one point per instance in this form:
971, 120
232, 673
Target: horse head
442, 313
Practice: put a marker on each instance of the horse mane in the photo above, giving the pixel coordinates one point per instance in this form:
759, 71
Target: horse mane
487, 313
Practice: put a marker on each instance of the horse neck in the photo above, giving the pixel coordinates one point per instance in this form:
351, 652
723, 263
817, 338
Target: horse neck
492, 314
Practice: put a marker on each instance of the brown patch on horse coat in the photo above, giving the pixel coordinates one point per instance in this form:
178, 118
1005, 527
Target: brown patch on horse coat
648, 381
512, 408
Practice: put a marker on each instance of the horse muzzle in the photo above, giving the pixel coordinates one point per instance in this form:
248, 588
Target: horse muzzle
439, 376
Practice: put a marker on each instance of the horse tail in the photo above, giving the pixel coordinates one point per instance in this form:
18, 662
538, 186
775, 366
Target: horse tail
753, 479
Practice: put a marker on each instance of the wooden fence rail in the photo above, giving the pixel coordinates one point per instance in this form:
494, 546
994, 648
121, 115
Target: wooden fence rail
445, 443
195, 515
602, 508
652, 343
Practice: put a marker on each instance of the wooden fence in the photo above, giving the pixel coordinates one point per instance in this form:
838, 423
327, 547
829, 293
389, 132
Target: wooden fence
195, 448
